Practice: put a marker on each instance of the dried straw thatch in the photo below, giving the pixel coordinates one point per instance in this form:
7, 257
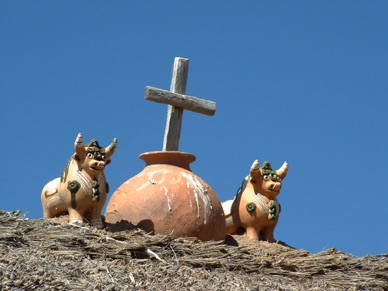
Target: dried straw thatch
50, 255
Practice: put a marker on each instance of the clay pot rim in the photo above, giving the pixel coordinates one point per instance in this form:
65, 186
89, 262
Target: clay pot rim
175, 158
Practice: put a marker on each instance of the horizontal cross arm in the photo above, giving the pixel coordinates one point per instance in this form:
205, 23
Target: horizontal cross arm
179, 100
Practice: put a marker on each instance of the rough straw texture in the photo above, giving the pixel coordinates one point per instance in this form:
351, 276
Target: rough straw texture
51, 255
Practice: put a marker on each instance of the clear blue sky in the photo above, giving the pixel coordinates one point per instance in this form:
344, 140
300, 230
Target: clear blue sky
297, 81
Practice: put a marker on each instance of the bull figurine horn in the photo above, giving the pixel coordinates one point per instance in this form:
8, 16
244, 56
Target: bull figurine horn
282, 172
78, 146
110, 149
255, 166
255, 171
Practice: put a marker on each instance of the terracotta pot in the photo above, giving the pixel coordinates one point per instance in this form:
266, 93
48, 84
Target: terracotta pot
167, 198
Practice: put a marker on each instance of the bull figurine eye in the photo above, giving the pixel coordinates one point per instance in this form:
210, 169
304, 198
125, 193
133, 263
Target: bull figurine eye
99, 156
265, 177
90, 155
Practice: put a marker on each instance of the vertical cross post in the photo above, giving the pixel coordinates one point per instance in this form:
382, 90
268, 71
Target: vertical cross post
177, 101
172, 132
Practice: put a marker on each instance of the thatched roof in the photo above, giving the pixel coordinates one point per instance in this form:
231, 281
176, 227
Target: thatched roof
51, 255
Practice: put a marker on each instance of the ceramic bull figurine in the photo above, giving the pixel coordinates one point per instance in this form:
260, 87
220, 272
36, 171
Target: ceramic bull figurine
82, 189
255, 207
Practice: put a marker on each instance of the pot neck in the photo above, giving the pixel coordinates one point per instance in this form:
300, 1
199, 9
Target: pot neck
175, 158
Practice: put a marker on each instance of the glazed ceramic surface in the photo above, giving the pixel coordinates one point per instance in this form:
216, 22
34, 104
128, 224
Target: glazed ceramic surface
167, 198
82, 188
255, 207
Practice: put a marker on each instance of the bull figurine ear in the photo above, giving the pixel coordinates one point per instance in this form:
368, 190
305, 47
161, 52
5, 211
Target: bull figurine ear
109, 150
79, 147
282, 172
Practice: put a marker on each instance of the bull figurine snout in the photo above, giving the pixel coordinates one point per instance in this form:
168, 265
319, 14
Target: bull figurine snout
99, 166
275, 187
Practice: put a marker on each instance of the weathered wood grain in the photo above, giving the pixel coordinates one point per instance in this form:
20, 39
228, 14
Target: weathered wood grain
182, 101
172, 133
177, 102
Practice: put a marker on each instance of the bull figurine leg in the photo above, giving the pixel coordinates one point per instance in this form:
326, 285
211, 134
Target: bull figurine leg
96, 216
268, 234
75, 217
252, 232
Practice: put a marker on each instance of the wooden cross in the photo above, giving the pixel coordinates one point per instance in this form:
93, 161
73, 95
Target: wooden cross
177, 101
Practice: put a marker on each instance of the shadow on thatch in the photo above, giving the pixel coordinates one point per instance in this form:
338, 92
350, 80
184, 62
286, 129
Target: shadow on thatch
51, 255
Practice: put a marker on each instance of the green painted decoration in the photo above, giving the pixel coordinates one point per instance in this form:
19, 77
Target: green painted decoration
107, 187
73, 187
96, 191
65, 171
267, 171
272, 210
251, 207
